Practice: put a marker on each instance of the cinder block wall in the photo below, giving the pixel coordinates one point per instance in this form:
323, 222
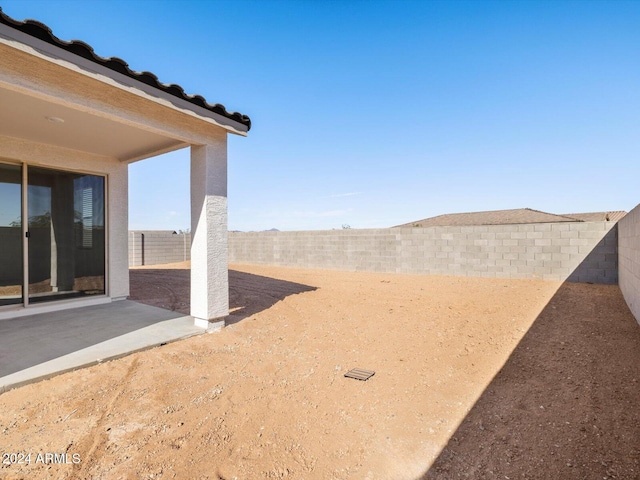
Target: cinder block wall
629, 259
159, 247
579, 252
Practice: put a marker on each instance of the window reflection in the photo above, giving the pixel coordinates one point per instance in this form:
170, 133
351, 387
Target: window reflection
10, 234
67, 237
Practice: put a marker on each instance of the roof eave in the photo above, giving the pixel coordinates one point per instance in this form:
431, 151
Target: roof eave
16, 38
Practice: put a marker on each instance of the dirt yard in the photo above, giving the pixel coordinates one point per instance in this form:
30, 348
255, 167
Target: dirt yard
475, 378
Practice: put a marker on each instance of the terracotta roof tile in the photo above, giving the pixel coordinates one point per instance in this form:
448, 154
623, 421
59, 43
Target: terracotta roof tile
493, 217
613, 216
44, 33
514, 216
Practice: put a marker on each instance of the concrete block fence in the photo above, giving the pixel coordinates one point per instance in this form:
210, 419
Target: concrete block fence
159, 246
629, 259
579, 252
596, 252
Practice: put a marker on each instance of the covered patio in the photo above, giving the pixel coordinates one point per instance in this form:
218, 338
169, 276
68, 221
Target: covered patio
39, 346
71, 122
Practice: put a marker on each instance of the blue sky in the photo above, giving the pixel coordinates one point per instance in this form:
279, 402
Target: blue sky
376, 113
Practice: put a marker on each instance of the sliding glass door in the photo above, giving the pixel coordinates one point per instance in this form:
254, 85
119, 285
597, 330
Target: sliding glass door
64, 238
11, 263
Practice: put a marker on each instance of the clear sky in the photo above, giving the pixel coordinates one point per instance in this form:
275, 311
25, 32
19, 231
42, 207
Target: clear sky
376, 113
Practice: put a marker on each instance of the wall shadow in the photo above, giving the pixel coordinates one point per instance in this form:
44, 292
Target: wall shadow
601, 263
248, 293
566, 404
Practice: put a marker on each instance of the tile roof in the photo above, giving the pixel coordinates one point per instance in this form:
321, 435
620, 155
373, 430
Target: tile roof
514, 216
614, 216
42, 32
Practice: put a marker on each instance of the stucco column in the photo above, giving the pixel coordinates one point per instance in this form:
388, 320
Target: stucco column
209, 268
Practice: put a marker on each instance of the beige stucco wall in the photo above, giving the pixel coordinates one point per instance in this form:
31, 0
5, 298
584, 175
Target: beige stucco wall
629, 259
117, 197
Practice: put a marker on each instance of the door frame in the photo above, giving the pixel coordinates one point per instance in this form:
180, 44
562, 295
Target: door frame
25, 304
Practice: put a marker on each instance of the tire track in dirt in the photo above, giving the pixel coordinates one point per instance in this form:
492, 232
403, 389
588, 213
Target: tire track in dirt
169, 296
99, 435
462, 364
173, 299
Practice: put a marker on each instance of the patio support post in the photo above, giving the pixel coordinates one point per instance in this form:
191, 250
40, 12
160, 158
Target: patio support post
209, 256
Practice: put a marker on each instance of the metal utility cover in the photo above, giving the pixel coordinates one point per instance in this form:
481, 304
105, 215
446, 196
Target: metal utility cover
360, 374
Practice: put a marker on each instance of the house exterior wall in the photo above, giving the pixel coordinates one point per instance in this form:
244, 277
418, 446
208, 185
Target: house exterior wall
51, 76
580, 252
124, 120
629, 259
116, 174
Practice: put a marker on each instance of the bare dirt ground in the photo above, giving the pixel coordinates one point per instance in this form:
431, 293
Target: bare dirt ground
475, 378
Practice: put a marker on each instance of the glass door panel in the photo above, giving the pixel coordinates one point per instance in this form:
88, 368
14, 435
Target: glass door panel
11, 278
66, 234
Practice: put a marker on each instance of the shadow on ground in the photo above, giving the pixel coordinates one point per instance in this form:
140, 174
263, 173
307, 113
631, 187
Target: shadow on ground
566, 404
248, 293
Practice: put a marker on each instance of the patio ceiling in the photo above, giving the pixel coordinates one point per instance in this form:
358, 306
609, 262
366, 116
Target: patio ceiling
42, 121
60, 93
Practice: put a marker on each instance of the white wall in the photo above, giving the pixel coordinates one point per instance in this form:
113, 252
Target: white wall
629, 259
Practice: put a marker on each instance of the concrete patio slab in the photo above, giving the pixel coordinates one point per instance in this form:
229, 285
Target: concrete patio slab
40, 346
